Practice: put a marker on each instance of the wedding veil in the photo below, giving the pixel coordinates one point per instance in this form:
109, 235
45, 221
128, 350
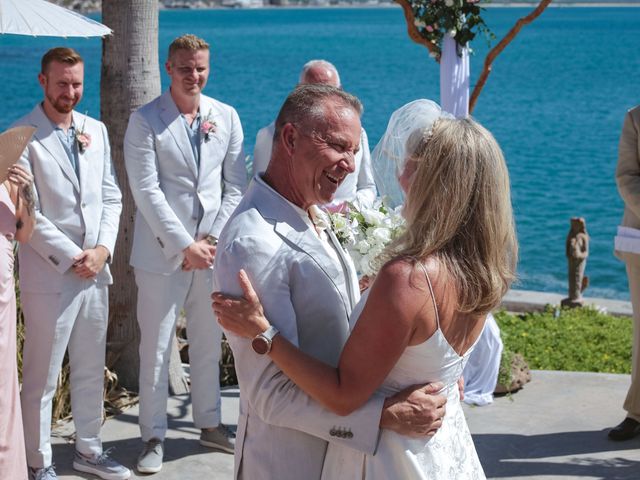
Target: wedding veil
406, 125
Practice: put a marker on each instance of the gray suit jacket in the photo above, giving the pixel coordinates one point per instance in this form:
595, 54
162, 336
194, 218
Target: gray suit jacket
282, 433
628, 176
72, 214
168, 187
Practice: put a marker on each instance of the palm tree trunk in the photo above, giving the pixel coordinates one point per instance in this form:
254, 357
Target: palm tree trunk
130, 78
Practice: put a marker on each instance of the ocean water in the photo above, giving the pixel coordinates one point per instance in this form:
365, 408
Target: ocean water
555, 101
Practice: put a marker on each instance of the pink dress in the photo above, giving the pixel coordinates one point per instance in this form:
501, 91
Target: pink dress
13, 463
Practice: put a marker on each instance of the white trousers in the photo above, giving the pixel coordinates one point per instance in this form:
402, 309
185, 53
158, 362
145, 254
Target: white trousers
77, 317
160, 301
632, 401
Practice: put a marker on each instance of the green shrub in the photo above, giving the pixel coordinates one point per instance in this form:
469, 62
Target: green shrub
580, 339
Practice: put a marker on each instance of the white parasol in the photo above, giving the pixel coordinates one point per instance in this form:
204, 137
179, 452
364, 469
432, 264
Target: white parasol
42, 18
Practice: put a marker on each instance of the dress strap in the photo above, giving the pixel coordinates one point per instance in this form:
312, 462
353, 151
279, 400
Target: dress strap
433, 297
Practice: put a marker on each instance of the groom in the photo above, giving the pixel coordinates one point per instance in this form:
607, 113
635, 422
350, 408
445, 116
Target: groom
308, 287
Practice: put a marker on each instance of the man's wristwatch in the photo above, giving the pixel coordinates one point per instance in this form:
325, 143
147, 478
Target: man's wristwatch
211, 240
262, 342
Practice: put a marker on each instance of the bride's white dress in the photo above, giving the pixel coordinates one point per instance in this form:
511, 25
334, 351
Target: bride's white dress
448, 455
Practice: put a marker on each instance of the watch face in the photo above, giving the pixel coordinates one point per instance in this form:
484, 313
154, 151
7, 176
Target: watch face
260, 345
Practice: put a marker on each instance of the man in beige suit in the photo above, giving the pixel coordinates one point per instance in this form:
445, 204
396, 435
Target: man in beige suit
309, 286
628, 181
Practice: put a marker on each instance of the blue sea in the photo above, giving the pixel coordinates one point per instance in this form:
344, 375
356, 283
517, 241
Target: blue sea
555, 101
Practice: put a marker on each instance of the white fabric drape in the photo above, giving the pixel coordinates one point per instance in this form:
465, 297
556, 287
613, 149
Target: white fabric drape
481, 372
454, 78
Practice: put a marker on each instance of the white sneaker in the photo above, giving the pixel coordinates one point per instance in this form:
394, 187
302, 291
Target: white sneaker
101, 465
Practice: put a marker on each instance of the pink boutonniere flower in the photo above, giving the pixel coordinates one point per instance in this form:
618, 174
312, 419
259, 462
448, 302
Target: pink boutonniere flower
208, 127
83, 138
84, 141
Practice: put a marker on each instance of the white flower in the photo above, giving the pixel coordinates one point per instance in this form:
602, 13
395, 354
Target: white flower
373, 217
381, 236
362, 247
419, 23
452, 33
448, 3
339, 223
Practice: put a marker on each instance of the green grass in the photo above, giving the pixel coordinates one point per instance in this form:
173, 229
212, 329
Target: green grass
579, 340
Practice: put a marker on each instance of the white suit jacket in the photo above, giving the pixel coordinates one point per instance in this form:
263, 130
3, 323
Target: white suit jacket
358, 187
628, 177
72, 214
168, 186
283, 433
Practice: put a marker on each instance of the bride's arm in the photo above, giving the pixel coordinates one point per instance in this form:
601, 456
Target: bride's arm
383, 331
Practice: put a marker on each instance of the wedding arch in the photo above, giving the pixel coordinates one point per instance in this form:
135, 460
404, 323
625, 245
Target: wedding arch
445, 28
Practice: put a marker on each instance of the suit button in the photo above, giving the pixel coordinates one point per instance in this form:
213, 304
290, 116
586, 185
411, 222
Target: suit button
83, 205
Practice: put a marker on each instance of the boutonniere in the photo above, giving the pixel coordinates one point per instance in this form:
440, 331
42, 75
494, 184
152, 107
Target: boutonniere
208, 127
83, 138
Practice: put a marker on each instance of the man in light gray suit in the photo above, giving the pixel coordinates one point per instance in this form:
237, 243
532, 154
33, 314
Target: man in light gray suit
185, 163
308, 286
64, 271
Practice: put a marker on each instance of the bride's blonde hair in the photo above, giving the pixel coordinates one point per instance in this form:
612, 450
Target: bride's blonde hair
458, 209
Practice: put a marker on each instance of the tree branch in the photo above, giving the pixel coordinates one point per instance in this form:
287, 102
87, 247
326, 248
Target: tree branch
491, 56
412, 30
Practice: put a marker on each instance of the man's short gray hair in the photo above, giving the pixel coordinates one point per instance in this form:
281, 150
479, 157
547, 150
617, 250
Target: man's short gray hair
305, 105
318, 63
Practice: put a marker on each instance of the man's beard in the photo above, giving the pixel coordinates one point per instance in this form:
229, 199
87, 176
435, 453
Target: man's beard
62, 107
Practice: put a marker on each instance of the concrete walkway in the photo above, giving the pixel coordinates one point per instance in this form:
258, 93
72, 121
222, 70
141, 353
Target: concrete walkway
555, 428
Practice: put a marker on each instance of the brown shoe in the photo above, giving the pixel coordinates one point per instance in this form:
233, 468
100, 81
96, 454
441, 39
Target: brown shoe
628, 429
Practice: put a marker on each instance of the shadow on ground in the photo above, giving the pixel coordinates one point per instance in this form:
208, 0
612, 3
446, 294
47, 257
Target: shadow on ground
506, 455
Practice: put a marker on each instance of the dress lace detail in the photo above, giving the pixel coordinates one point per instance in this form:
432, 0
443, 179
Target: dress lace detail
448, 455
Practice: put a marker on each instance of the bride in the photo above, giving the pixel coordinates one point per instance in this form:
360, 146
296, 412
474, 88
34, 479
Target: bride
427, 306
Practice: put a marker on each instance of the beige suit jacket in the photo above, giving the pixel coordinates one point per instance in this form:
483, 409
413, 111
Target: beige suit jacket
628, 176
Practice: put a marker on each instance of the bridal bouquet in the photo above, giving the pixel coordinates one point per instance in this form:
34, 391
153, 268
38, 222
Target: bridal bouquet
365, 232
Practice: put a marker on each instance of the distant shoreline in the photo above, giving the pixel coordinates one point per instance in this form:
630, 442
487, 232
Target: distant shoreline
635, 4
395, 5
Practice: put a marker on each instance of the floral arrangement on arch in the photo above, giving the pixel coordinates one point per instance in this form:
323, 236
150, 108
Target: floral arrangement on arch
460, 19
366, 232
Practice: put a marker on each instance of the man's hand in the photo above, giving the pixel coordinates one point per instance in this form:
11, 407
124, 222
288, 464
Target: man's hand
90, 262
416, 411
198, 256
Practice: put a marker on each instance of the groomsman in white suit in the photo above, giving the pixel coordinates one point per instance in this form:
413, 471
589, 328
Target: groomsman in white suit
185, 162
64, 271
359, 187
308, 287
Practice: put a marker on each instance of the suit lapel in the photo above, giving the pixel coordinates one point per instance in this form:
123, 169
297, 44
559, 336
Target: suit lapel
50, 141
309, 243
208, 112
171, 117
291, 227
83, 162
349, 269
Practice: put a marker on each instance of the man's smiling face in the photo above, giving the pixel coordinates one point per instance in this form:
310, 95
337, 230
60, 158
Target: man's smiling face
324, 154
